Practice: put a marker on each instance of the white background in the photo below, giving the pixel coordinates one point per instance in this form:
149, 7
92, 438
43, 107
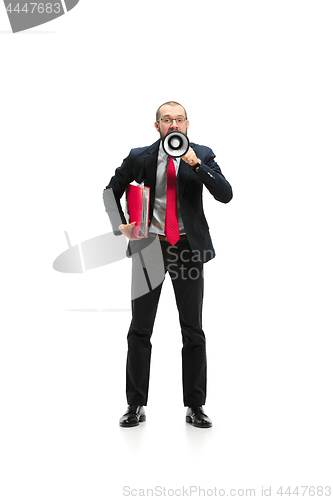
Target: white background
76, 95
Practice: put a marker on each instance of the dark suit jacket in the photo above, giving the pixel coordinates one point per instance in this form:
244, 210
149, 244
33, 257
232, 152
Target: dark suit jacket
141, 166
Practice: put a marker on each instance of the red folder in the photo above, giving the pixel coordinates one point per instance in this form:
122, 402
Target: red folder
138, 209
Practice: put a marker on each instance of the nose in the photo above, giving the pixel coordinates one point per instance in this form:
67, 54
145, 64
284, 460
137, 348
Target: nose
172, 126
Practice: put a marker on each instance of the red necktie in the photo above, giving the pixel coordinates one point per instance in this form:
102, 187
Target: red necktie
171, 217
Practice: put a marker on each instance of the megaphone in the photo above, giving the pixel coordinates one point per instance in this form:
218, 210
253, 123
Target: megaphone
175, 144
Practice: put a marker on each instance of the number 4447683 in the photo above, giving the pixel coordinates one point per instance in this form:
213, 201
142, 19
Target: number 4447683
31, 7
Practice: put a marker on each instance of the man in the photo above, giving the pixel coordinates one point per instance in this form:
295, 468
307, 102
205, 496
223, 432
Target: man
177, 220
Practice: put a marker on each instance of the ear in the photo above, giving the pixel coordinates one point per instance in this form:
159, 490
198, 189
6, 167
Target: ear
157, 126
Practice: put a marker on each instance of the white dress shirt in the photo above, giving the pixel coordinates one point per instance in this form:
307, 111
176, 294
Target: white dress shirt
158, 220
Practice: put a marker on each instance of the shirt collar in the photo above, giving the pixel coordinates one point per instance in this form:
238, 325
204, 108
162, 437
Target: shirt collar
163, 156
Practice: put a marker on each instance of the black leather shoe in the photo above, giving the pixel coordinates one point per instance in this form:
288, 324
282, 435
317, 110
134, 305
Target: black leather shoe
133, 416
196, 416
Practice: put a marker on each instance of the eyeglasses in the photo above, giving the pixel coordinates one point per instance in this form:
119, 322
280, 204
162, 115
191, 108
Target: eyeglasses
169, 121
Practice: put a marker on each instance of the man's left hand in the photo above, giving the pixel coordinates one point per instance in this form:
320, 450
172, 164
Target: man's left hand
190, 158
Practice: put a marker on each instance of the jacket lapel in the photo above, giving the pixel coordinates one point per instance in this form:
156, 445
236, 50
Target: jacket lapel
151, 167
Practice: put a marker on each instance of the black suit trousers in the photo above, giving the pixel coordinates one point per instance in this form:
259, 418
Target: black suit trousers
186, 273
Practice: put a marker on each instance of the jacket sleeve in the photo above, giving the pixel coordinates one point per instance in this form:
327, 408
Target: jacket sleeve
211, 176
114, 191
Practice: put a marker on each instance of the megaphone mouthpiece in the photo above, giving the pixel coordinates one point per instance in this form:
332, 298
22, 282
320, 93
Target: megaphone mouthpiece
175, 144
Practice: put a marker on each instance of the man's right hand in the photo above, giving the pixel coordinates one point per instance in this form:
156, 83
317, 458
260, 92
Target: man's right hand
127, 230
